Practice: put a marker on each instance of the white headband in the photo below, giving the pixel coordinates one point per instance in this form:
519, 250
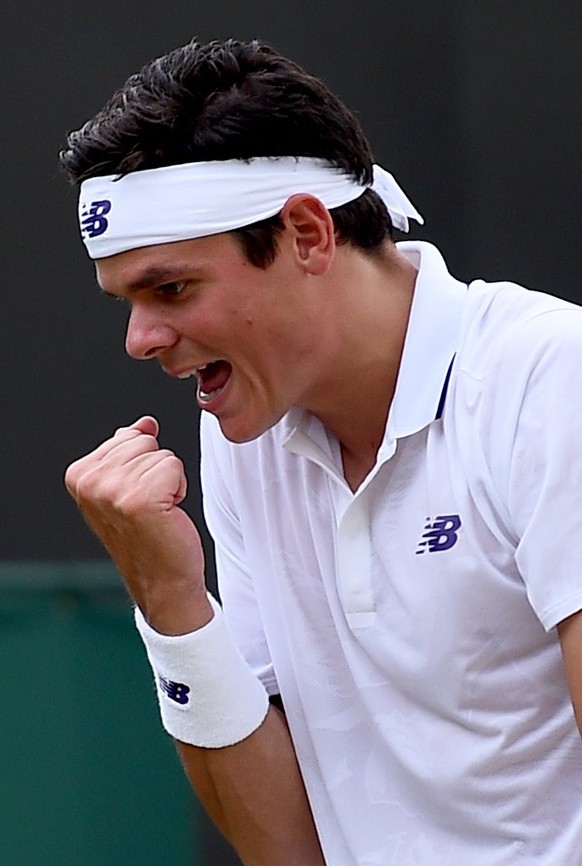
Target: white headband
179, 202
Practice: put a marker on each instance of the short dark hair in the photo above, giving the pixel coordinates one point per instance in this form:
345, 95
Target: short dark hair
231, 100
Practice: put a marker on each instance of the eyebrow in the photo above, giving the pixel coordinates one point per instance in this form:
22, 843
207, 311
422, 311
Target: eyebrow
157, 275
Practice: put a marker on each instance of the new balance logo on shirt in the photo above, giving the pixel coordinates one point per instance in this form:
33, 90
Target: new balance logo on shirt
440, 533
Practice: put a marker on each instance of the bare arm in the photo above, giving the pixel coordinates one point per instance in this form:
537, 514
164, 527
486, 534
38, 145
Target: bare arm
129, 492
254, 794
570, 632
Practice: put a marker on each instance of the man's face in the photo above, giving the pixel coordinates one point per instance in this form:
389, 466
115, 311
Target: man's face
248, 335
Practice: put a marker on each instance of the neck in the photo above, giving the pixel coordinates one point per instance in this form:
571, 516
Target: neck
372, 307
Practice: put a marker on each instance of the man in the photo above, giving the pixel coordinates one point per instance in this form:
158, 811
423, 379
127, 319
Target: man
390, 473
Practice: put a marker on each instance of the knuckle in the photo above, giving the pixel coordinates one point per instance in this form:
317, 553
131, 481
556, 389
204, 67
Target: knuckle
70, 478
74, 475
167, 454
173, 464
97, 488
85, 487
123, 428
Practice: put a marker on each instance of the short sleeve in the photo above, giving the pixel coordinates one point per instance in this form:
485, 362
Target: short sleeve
235, 583
544, 475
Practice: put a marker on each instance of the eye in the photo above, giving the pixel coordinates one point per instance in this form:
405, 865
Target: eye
170, 290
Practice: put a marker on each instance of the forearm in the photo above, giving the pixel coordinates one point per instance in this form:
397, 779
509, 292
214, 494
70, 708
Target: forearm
235, 748
129, 492
254, 793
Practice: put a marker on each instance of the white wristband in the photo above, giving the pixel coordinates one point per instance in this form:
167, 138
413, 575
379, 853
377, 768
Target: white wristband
208, 694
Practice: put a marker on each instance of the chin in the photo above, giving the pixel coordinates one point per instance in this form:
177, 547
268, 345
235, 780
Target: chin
239, 433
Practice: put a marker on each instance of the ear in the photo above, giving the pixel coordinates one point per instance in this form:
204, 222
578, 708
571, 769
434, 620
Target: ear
310, 227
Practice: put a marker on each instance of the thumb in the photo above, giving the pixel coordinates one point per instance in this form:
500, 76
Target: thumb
146, 424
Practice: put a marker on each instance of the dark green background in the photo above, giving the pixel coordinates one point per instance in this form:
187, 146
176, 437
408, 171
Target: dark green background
87, 776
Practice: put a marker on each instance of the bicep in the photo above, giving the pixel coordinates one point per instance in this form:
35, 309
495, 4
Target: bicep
570, 632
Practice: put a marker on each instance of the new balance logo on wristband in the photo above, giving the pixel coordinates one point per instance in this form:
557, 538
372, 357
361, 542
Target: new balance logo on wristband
441, 533
93, 222
177, 692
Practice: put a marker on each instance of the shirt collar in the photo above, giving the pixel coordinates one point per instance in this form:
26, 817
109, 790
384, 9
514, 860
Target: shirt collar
429, 349
430, 344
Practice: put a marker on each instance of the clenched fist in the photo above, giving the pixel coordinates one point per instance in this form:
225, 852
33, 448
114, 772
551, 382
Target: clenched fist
129, 491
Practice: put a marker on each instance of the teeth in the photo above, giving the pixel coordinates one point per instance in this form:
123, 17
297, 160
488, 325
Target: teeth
207, 396
189, 373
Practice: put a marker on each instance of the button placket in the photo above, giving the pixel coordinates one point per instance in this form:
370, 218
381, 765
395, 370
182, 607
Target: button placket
354, 562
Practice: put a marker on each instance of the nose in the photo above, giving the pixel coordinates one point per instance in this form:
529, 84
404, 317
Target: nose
146, 337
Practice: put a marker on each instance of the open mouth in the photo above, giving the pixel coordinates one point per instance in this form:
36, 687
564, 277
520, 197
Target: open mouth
212, 378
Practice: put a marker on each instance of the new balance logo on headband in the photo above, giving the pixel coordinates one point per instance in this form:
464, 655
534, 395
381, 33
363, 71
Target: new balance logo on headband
93, 222
441, 533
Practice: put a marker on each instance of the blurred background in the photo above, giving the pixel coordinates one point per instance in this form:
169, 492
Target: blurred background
474, 105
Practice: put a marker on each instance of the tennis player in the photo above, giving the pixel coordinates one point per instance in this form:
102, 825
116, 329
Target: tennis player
391, 469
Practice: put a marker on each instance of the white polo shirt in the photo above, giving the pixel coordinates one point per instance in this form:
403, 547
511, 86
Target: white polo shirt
409, 627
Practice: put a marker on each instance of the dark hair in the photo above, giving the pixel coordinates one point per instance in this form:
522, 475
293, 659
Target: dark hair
231, 100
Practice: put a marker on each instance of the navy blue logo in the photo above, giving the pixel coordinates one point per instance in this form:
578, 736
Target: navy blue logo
93, 222
440, 533
177, 692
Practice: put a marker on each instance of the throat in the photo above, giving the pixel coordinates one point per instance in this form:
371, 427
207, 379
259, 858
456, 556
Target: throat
357, 467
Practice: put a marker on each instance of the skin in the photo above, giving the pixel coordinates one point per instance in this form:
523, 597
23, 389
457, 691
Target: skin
570, 633
322, 328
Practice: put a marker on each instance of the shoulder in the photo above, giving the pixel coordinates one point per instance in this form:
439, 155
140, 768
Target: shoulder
514, 415
507, 326
519, 363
